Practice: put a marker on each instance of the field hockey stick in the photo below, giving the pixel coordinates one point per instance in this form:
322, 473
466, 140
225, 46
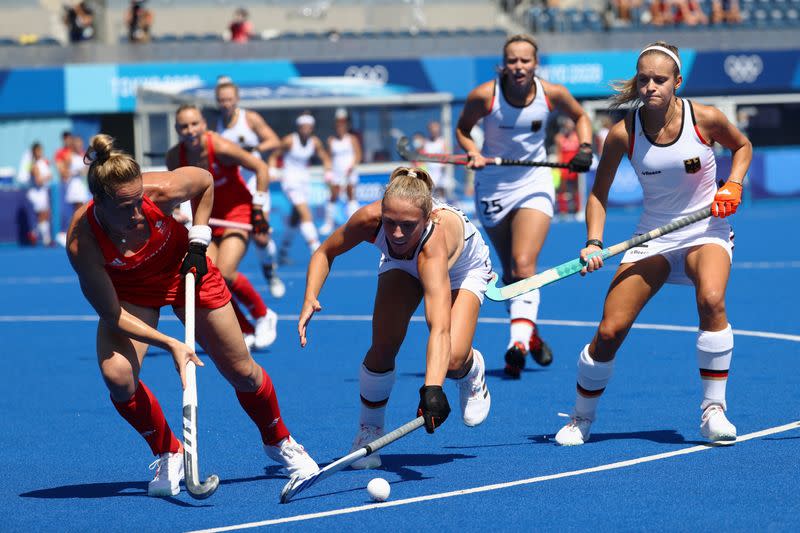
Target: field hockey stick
219, 223
498, 294
409, 154
298, 484
197, 490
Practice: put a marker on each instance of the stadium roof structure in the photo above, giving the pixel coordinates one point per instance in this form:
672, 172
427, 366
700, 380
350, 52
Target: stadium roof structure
294, 93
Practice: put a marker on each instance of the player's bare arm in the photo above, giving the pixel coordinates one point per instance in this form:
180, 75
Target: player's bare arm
170, 189
231, 153
435, 280
477, 106
714, 126
268, 139
564, 102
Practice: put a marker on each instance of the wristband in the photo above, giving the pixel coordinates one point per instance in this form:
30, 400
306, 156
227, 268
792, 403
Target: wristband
200, 234
262, 198
595, 242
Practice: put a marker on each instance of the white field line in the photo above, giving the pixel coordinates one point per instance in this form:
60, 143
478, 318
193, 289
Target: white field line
368, 318
500, 486
301, 274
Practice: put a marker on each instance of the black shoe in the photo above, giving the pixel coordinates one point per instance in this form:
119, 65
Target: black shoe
539, 349
515, 360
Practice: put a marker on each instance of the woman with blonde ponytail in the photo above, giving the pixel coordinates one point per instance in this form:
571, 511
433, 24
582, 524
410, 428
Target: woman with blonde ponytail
669, 143
431, 252
131, 257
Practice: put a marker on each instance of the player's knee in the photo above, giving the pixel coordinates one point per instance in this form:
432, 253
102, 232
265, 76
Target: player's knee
120, 380
243, 375
523, 266
611, 332
711, 303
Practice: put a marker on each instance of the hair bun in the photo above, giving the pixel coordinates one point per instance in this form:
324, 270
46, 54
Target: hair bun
101, 147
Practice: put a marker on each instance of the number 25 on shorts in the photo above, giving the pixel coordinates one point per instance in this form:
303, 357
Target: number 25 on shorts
491, 207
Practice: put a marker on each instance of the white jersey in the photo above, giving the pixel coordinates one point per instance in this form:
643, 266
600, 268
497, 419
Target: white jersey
677, 178
242, 134
296, 161
436, 170
518, 133
77, 191
343, 158
471, 270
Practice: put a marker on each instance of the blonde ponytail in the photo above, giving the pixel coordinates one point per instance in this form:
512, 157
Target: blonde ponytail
413, 184
108, 168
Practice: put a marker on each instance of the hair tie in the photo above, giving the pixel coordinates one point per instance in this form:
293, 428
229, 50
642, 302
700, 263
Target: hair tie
667, 51
411, 173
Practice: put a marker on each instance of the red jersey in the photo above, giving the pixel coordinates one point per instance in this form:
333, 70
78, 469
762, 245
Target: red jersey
568, 146
232, 199
151, 277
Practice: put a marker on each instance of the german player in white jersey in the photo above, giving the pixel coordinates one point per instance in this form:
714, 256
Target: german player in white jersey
669, 142
297, 150
345, 150
249, 130
515, 204
442, 175
431, 252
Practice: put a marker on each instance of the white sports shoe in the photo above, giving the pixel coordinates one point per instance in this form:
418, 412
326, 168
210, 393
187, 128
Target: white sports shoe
367, 434
326, 228
293, 457
716, 427
266, 330
276, 287
474, 394
169, 473
575, 433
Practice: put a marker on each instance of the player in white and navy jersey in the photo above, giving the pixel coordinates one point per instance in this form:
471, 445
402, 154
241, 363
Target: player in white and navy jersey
345, 150
668, 140
249, 130
431, 252
297, 149
515, 204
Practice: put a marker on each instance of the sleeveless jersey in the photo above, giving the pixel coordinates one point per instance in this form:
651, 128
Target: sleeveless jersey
436, 170
474, 255
243, 135
296, 160
342, 153
515, 133
677, 177
232, 199
151, 276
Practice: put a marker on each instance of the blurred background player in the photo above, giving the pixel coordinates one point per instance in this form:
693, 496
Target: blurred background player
40, 176
249, 130
297, 149
131, 257
431, 252
669, 143
77, 192
515, 204
442, 175
346, 155
232, 202
567, 146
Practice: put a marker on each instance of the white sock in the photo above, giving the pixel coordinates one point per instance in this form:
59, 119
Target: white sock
44, 231
309, 232
329, 209
375, 388
593, 376
714, 353
523, 312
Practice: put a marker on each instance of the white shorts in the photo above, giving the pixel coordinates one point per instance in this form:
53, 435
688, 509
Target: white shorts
675, 253
341, 179
495, 201
77, 191
39, 198
297, 191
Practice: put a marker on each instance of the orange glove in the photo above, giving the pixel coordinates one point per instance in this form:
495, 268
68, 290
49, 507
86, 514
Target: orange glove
727, 199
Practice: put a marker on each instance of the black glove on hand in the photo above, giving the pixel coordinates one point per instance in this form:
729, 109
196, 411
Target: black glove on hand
582, 160
433, 406
195, 260
258, 220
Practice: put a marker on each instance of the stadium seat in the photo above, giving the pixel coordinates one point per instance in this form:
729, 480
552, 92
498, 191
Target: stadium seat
594, 20
573, 20
165, 38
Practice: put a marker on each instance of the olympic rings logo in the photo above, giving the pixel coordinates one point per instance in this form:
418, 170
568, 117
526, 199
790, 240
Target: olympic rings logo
375, 73
744, 68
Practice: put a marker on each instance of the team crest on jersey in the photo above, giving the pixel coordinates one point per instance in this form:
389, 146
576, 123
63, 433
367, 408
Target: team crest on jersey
159, 224
691, 165
536, 125
117, 262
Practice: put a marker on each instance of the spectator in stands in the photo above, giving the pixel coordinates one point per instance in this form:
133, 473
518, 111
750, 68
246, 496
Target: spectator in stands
626, 11
39, 192
662, 13
139, 20
725, 11
63, 156
79, 19
689, 13
241, 28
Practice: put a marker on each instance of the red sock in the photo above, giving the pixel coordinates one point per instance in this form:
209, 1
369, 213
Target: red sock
262, 407
247, 327
247, 295
143, 412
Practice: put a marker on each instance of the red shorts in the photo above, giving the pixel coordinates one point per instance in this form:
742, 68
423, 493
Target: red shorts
212, 294
233, 203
